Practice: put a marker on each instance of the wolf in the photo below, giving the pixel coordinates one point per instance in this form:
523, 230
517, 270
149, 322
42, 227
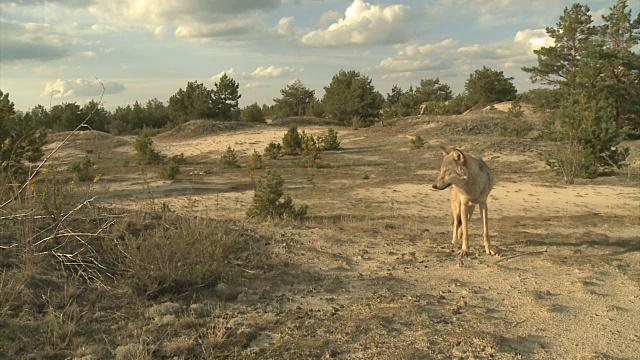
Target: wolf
470, 181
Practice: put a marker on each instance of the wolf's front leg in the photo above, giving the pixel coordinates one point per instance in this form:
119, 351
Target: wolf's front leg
485, 228
464, 208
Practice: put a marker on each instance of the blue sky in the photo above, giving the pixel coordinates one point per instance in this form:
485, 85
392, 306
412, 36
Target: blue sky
53, 51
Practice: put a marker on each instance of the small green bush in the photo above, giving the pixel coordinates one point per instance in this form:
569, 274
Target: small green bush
291, 142
256, 161
416, 143
311, 152
273, 150
515, 110
82, 169
229, 159
146, 154
329, 142
178, 159
170, 170
571, 161
269, 201
514, 127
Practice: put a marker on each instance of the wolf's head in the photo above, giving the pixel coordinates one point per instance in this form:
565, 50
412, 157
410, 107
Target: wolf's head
452, 170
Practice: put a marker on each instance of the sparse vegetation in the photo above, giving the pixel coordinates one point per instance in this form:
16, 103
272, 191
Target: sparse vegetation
256, 161
417, 142
229, 159
291, 142
82, 169
146, 153
270, 202
514, 124
170, 170
330, 142
185, 270
273, 150
310, 152
187, 254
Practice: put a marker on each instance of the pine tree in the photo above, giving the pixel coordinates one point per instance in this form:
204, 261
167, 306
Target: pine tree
225, 97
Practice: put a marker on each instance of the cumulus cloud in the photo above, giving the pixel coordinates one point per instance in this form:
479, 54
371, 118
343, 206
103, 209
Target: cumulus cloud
30, 41
254, 85
199, 19
414, 57
483, 6
328, 18
446, 54
273, 72
534, 39
80, 87
226, 29
364, 24
284, 27
230, 73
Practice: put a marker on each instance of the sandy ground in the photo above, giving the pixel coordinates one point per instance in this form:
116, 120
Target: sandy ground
372, 274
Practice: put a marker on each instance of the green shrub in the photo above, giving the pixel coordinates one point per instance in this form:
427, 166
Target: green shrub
256, 161
273, 150
82, 169
514, 127
170, 170
571, 161
515, 110
330, 141
269, 201
416, 143
291, 142
146, 154
229, 159
310, 152
588, 139
178, 159
252, 113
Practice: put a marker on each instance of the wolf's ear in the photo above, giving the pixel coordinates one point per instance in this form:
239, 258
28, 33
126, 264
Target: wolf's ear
445, 150
458, 156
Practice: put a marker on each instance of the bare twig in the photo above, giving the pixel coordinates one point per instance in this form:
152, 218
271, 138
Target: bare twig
523, 254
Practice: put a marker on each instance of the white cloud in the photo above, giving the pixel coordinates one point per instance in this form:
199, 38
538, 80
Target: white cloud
187, 19
30, 41
534, 39
230, 73
284, 27
364, 24
88, 53
273, 72
80, 87
237, 28
444, 55
255, 85
484, 6
328, 18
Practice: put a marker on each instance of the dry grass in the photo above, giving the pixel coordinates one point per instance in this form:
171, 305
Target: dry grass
369, 273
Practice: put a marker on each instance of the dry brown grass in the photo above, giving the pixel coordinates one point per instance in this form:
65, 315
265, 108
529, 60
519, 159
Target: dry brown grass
369, 273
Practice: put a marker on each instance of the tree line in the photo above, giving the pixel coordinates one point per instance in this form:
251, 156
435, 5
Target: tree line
591, 76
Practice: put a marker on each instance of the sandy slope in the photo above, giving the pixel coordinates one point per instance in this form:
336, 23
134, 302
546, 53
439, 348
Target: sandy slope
372, 274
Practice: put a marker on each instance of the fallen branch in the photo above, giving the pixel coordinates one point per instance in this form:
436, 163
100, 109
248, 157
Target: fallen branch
523, 254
